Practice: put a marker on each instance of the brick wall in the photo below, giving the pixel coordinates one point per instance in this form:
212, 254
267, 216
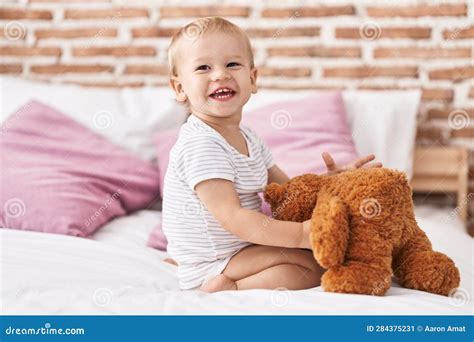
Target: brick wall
300, 44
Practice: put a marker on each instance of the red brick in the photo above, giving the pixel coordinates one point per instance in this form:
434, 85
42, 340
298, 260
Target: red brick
106, 13
13, 32
117, 51
419, 10
365, 71
11, 13
283, 32
146, 69
70, 68
459, 33
153, 32
437, 94
437, 113
422, 53
307, 11
110, 84
75, 33
204, 11
316, 51
467, 132
11, 68
431, 133
29, 51
385, 32
284, 72
454, 74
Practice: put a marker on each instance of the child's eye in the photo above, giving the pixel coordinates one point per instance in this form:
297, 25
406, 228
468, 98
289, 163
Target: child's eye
203, 67
233, 64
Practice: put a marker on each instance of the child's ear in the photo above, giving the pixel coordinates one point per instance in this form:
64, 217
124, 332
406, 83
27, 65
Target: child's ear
253, 79
176, 85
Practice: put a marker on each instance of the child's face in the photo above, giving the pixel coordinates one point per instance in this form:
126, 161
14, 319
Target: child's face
214, 61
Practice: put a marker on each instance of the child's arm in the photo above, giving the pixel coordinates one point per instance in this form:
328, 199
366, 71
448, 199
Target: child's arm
277, 175
221, 199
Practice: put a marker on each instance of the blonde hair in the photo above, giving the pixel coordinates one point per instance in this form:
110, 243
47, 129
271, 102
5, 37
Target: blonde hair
199, 27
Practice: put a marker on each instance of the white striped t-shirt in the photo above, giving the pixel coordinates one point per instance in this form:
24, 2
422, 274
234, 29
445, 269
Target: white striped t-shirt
195, 239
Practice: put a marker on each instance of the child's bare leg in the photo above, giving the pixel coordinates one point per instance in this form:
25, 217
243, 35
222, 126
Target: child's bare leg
288, 276
266, 267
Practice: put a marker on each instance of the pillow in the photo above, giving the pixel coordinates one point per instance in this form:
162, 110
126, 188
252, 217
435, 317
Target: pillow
384, 123
59, 177
125, 116
164, 141
299, 131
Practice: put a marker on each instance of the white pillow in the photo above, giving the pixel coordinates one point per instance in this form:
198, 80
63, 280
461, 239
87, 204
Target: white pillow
126, 116
384, 123
381, 122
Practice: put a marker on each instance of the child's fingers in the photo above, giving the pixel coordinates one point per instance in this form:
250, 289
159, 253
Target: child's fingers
372, 165
364, 160
330, 164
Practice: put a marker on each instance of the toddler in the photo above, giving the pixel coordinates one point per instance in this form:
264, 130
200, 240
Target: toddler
211, 208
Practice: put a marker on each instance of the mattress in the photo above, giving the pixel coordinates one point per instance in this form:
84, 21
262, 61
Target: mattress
115, 273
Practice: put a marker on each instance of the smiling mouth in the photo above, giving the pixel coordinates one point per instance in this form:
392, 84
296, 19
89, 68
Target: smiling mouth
223, 94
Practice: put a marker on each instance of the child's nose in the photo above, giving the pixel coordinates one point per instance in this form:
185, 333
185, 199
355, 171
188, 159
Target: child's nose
220, 74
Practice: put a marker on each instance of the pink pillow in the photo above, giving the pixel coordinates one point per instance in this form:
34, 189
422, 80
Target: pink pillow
164, 141
297, 132
59, 177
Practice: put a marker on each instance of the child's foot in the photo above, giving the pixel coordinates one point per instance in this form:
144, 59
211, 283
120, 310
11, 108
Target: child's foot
219, 283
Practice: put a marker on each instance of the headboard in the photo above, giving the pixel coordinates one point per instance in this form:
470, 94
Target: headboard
442, 169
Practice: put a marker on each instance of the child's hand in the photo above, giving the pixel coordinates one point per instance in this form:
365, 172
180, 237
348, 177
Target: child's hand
334, 169
306, 243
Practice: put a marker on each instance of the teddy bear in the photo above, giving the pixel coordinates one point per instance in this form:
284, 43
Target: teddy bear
363, 231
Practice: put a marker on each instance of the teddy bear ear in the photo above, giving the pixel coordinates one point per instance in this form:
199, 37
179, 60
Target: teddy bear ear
274, 193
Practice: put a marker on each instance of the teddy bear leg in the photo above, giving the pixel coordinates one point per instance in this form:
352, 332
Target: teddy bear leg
367, 267
418, 267
329, 231
357, 278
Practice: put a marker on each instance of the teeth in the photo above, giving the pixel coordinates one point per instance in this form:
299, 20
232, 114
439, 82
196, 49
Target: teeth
222, 90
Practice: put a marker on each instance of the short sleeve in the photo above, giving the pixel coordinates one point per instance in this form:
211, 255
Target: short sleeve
204, 157
263, 148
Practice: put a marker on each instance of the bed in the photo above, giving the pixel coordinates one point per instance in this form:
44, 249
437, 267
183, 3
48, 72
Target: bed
114, 272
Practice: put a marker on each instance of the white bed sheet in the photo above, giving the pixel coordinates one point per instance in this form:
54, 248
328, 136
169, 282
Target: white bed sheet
114, 273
